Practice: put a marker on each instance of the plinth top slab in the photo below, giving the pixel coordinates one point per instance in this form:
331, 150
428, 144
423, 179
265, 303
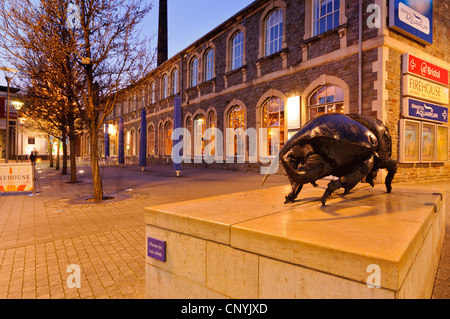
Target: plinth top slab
366, 227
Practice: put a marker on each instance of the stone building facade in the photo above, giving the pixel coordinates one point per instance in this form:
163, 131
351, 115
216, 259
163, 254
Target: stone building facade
275, 65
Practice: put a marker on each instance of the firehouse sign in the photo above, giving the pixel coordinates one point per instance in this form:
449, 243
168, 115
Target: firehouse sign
16, 178
424, 69
426, 90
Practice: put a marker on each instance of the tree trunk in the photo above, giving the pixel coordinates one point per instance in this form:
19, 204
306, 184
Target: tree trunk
64, 159
96, 178
50, 150
73, 164
57, 155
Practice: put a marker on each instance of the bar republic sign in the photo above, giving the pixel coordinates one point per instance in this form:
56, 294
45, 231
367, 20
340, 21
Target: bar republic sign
413, 18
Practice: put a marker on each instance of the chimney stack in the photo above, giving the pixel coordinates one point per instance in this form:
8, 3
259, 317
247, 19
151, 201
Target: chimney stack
162, 33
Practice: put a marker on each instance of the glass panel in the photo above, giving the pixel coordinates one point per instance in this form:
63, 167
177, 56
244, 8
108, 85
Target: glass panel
428, 142
412, 142
336, 19
442, 144
312, 113
313, 99
329, 22
320, 110
339, 108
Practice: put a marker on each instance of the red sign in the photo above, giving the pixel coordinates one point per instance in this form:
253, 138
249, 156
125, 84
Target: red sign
425, 69
12, 110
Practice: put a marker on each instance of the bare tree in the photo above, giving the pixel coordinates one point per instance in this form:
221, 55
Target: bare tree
83, 53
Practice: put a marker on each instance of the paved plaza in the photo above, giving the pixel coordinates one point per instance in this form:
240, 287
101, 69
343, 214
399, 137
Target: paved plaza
41, 236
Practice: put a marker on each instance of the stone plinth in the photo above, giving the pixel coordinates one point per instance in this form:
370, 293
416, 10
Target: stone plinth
251, 245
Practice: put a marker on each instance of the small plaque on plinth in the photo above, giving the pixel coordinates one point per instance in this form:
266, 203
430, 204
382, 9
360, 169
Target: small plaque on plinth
156, 249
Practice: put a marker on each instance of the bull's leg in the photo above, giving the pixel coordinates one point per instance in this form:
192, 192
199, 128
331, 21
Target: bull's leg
315, 168
391, 166
350, 180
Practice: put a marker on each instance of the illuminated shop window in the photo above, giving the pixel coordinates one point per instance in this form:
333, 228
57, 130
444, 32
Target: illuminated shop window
236, 121
326, 99
168, 138
199, 133
273, 120
151, 140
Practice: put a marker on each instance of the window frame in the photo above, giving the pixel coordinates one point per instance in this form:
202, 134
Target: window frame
209, 64
316, 21
193, 72
237, 62
277, 24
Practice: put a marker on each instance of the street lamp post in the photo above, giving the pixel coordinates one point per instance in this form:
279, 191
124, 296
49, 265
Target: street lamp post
17, 105
9, 75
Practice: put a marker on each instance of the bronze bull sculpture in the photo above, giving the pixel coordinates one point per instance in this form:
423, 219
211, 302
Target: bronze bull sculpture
351, 147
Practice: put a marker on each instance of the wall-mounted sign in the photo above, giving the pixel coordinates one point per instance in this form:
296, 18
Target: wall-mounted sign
423, 89
293, 113
413, 18
425, 110
425, 69
16, 178
156, 249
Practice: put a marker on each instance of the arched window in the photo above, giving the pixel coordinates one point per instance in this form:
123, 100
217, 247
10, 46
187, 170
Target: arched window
133, 142
174, 81
161, 140
237, 50
199, 134
143, 97
152, 92
187, 151
209, 64
211, 126
193, 72
165, 88
326, 99
273, 120
236, 121
151, 140
274, 32
168, 138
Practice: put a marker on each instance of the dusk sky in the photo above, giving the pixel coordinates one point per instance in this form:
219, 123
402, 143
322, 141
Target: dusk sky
190, 20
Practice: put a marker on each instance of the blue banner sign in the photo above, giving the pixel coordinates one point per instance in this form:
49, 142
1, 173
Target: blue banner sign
425, 111
412, 18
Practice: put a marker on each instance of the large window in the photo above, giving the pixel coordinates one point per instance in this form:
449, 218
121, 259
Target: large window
193, 72
274, 32
326, 99
236, 121
152, 92
325, 15
168, 138
273, 121
132, 142
237, 50
151, 140
199, 135
174, 81
161, 140
187, 151
165, 87
209, 64
211, 126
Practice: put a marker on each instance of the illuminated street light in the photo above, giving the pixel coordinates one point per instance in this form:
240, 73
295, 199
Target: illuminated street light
9, 75
17, 105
